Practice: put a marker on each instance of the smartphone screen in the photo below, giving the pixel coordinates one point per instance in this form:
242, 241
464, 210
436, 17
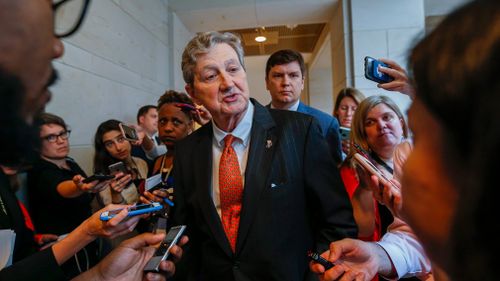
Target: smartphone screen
344, 133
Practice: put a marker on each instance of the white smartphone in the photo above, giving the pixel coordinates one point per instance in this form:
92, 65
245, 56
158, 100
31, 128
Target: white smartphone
369, 167
344, 133
133, 210
129, 133
161, 254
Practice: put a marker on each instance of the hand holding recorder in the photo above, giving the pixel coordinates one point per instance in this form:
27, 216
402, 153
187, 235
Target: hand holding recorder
354, 260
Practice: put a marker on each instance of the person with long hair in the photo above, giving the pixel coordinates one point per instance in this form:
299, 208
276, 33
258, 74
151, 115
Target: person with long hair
112, 147
346, 103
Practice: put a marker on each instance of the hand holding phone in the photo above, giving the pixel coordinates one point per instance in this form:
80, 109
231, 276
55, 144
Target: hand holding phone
117, 167
129, 133
132, 210
98, 177
319, 259
163, 251
371, 168
373, 73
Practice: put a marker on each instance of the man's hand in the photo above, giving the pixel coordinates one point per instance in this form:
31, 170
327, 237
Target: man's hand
128, 260
354, 260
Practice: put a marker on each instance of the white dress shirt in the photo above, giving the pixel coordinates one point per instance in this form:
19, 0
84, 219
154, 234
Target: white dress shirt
240, 145
158, 148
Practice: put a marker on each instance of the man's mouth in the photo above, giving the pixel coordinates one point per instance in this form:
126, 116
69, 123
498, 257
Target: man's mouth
230, 98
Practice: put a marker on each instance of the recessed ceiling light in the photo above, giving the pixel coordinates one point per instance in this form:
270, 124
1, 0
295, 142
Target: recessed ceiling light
260, 38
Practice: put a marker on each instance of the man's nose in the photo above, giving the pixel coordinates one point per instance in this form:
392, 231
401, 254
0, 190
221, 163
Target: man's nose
285, 80
226, 81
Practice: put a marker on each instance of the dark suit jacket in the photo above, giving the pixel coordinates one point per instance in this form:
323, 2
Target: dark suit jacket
329, 129
293, 201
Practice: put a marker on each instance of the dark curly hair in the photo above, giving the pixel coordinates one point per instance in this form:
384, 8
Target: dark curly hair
171, 96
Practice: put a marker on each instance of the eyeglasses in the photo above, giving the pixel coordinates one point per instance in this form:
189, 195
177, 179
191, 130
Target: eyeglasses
68, 16
64, 135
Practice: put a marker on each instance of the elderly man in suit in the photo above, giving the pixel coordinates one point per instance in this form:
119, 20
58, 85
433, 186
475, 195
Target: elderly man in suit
256, 186
285, 74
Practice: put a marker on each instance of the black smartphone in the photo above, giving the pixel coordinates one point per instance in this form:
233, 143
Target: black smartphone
117, 167
98, 177
129, 133
161, 254
373, 73
319, 259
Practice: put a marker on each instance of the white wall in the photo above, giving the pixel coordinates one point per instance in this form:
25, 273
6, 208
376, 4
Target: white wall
256, 74
180, 37
118, 61
320, 79
384, 29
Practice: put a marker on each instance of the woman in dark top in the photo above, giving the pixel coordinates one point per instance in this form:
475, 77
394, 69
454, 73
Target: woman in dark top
58, 199
176, 114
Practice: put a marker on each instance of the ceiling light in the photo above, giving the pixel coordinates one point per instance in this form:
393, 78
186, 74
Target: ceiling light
260, 38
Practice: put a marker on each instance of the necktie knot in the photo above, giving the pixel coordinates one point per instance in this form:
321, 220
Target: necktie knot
228, 140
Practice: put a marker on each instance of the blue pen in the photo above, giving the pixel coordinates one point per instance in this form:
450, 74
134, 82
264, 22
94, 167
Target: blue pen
168, 201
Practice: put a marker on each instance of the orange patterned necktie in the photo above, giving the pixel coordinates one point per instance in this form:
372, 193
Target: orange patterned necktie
231, 190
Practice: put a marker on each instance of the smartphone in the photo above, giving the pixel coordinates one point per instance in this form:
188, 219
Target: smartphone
162, 253
98, 177
373, 73
133, 210
344, 133
129, 133
117, 167
370, 167
319, 259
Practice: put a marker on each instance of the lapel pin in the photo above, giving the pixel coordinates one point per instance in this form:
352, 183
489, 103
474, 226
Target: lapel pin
269, 143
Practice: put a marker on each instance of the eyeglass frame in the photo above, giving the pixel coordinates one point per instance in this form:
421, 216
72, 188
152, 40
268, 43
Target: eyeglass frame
57, 136
83, 12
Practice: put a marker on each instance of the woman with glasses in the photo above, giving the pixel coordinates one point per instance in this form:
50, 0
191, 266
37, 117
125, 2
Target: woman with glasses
111, 147
58, 199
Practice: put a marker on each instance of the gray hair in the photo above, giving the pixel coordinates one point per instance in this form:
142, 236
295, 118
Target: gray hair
201, 44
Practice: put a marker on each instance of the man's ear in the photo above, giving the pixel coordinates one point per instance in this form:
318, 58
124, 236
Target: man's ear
303, 83
141, 119
190, 91
267, 83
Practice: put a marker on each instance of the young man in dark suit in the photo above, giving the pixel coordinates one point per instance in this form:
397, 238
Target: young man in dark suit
256, 186
285, 74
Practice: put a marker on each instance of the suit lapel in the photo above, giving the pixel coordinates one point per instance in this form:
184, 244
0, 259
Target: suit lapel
262, 146
203, 179
302, 108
